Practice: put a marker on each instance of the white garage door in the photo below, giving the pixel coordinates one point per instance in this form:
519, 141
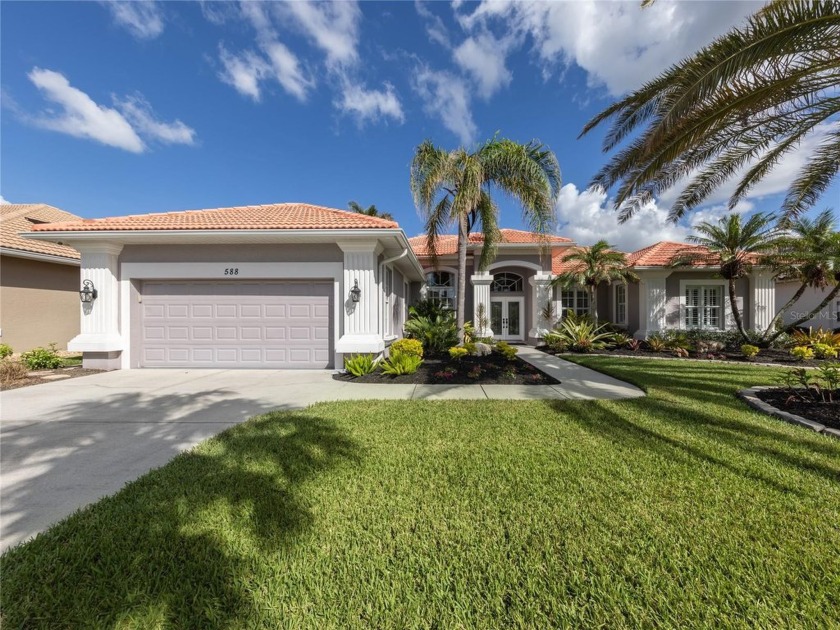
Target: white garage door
236, 324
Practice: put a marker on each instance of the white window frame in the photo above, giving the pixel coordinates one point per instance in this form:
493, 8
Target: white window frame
616, 318
507, 282
441, 293
725, 309
580, 295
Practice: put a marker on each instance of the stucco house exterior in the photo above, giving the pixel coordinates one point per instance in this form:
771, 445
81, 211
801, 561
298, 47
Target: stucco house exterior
295, 285
39, 281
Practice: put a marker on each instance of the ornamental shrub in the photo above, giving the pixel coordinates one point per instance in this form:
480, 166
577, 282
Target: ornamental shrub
11, 371
398, 364
437, 334
360, 364
824, 351
458, 352
408, 346
656, 343
506, 350
749, 351
802, 353
5, 350
42, 358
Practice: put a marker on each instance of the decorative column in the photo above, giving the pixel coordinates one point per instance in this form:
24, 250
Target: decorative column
652, 301
541, 297
360, 331
481, 295
763, 288
100, 341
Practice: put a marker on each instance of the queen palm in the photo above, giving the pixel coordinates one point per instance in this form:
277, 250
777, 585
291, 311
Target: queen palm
735, 108
454, 187
734, 246
370, 211
590, 266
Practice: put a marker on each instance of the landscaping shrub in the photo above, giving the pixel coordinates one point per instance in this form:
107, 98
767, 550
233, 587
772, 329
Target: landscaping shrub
437, 334
555, 342
678, 339
398, 364
458, 352
428, 308
749, 351
11, 371
506, 350
5, 350
621, 339
679, 352
42, 358
812, 338
634, 344
581, 334
408, 346
470, 347
802, 353
360, 364
818, 386
657, 343
824, 351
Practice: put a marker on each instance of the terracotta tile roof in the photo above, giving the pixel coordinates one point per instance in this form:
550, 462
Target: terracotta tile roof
278, 216
558, 265
448, 243
23, 217
663, 253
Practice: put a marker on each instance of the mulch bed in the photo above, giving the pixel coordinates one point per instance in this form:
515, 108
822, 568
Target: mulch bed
492, 369
769, 355
38, 378
824, 413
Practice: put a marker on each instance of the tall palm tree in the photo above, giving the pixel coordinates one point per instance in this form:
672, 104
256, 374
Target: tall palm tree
809, 252
455, 187
590, 266
735, 108
734, 246
370, 211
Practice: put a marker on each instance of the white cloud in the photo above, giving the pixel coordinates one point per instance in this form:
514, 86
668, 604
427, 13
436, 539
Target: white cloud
446, 96
3, 200
369, 105
244, 72
619, 44
81, 116
288, 71
142, 18
483, 58
138, 112
435, 28
332, 26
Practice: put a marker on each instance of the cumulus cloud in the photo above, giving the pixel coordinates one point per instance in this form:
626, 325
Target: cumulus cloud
121, 127
446, 96
483, 58
367, 105
331, 26
142, 18
435, 28
243, 72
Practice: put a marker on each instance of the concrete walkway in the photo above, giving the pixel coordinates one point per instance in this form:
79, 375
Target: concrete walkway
67, 443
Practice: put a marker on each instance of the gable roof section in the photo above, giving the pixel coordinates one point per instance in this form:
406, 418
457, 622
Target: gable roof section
448, 243
664, 253
15, 218
277, 216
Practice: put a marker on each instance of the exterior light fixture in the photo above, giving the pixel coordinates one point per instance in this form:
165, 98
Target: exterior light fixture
88, 293
355, 292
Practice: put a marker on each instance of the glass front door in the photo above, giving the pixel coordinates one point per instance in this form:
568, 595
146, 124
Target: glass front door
506, 318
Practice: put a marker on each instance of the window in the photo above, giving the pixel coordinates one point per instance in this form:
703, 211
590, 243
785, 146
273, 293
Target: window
621, 304
703, 306
837, 308
507, 283
574, 301
441, 288
389, 300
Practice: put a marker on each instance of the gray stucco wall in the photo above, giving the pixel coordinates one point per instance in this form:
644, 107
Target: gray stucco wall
633, 323
672, 289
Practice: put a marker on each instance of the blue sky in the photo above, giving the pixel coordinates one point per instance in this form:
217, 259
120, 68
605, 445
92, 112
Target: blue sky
123, 108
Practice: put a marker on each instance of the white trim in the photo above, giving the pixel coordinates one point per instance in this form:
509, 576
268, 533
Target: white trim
50, 258
724, 296
215, 271
515, 263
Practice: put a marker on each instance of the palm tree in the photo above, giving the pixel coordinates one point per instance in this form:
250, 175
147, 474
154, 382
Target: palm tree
808, 252
734, 246
455, 187
736, 107
590, 266
370, 211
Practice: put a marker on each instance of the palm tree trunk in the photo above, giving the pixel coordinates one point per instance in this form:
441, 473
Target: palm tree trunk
828, 298
733, 303
463, 236
593, 303
778, 316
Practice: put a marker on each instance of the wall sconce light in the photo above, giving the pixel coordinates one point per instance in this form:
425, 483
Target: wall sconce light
88, 293
355, 292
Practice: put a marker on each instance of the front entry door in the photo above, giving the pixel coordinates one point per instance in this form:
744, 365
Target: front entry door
506, 318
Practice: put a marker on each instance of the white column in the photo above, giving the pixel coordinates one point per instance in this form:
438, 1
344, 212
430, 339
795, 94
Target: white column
541, 297
652, 301
100, 320
360, 331
763, 287
481, 295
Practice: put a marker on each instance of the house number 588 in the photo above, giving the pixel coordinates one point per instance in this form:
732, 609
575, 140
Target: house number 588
231, 271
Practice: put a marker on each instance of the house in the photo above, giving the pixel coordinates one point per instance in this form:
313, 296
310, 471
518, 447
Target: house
295, 285
39, 281
288, 285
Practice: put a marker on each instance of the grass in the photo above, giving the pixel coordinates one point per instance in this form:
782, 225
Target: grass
681, 509
72, 361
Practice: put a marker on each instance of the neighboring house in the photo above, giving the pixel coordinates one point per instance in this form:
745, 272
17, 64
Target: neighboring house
39, 281
268, 286
299, 286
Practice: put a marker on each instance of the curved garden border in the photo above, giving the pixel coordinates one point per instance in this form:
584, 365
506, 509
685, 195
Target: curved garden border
749, 396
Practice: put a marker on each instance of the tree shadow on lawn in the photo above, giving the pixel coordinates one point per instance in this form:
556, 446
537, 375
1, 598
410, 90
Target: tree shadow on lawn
183, 544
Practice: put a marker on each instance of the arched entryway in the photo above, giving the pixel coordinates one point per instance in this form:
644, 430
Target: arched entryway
507, 306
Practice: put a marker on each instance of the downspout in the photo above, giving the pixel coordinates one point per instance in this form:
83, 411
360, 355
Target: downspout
381, 326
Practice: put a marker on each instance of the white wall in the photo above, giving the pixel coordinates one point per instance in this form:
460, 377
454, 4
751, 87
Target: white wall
827, 318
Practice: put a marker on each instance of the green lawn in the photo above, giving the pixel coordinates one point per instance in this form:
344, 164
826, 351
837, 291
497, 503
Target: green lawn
682, 509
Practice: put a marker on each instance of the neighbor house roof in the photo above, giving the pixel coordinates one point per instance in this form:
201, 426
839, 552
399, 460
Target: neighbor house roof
448, 243
24, 217
663, 254
278, 216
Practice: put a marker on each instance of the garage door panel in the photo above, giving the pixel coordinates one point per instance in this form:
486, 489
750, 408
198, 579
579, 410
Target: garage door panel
236, 324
